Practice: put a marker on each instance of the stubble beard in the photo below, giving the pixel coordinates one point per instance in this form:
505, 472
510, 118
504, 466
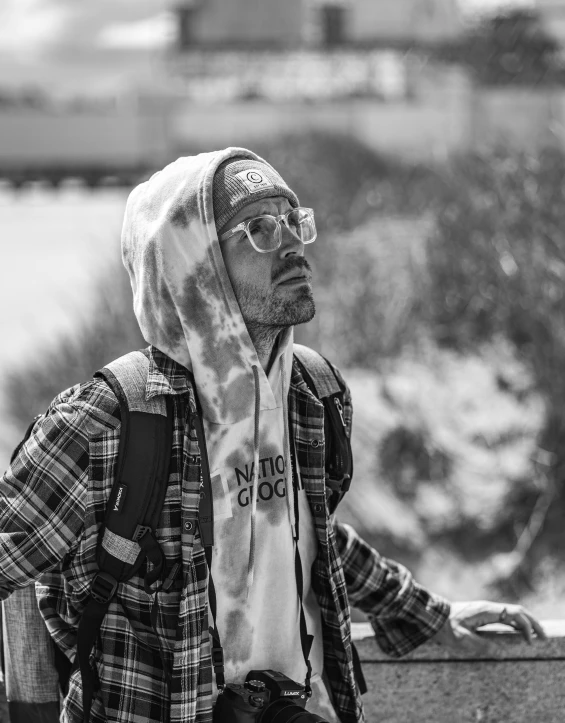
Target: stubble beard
276, 311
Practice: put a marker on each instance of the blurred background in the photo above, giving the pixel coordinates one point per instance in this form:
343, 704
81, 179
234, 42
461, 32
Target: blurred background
429, 137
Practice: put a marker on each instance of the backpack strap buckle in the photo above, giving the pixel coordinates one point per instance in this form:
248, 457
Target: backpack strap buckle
103, 588
217, 657
338, 484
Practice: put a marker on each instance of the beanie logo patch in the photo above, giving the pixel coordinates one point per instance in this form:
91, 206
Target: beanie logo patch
254, 180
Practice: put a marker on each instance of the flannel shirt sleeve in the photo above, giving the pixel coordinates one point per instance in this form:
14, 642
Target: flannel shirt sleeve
42, 497
403, 614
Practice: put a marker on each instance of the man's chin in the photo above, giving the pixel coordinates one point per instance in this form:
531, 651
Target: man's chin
301, 311
308, 312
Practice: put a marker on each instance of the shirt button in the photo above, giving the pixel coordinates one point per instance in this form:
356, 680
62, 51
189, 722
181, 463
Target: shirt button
314, 443
188, 526
317, 508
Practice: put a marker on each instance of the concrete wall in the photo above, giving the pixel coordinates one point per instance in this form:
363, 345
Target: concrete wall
517, 684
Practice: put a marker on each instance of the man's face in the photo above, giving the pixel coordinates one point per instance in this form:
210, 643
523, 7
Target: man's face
273, 289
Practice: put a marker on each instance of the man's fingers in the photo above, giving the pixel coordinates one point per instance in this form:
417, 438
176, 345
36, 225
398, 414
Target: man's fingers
525, 622
538, 629
521, 622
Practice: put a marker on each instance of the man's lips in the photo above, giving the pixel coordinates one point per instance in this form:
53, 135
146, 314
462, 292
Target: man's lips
296, 277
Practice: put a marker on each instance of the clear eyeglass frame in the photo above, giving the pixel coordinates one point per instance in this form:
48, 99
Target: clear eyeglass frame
283, 218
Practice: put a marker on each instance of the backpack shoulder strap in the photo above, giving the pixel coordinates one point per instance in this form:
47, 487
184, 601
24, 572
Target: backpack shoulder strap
127, 537
141, 480
127, 377
324, 384
321, 378
141, 476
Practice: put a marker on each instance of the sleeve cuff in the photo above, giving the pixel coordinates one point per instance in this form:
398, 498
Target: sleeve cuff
401, 636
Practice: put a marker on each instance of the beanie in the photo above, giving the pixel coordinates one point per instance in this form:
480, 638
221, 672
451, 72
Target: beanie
239, 181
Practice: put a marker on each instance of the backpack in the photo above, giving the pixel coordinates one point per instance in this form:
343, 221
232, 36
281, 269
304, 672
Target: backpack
35, 670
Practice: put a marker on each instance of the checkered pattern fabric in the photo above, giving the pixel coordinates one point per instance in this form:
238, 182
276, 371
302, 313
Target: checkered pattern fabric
52, 503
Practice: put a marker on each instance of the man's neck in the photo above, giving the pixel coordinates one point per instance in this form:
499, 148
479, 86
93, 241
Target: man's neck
264, 340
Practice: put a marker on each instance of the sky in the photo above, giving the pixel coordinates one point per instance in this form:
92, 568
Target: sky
57, 44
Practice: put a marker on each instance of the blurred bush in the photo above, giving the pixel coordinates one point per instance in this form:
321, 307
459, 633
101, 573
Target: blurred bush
511, 47
109, 331
496, 262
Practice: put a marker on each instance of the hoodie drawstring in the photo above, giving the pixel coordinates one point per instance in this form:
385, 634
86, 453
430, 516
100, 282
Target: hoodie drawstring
251, 563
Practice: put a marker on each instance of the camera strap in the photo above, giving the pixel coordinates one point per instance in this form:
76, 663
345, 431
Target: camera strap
305, 639
206, 527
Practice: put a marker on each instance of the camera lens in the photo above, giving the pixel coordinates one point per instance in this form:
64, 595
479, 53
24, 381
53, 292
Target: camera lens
285, 711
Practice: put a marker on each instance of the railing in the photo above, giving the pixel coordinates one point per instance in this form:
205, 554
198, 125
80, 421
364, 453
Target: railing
517, 683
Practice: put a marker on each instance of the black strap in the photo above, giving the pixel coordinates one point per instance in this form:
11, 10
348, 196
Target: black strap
206, 527
88, 629
358, 670
206, 506
154, 553
305, 639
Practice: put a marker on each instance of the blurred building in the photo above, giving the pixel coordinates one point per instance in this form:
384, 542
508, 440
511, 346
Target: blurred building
238, 23
294, 23
303, 49
402, 21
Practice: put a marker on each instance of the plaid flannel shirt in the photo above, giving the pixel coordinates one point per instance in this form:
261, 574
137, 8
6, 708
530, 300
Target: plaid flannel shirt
52, 504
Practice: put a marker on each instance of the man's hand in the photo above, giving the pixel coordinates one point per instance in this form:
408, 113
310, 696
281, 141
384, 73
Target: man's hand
459, 632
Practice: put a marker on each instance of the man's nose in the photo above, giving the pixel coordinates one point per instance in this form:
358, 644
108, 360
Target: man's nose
290, 243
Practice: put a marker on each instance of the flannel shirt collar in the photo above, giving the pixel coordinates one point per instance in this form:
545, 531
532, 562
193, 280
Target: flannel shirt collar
166, 376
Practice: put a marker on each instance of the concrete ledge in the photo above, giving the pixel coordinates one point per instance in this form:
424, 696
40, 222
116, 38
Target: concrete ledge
518, 683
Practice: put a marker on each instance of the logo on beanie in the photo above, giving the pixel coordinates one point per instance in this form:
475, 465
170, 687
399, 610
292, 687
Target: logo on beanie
254, 180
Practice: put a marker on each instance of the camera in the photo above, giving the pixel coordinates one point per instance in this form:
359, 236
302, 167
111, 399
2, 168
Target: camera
266, 697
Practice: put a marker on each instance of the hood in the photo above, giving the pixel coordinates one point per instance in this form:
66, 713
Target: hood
183, 298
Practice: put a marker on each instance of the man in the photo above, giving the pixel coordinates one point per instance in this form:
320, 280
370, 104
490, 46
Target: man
214, 245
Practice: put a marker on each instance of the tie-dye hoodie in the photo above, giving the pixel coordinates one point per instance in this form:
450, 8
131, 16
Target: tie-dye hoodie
186, 307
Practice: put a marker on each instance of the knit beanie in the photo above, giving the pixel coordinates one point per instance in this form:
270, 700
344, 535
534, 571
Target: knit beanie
239, 181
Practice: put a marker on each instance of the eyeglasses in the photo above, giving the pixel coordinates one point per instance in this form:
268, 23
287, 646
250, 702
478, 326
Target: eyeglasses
265, 234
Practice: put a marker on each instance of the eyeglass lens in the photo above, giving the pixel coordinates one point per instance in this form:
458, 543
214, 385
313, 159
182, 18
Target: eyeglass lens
263, 229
